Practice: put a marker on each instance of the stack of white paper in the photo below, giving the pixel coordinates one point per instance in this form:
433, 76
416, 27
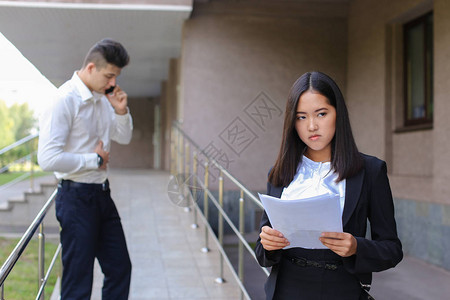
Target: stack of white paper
302, 221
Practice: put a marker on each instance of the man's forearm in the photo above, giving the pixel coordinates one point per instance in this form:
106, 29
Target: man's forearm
65, 162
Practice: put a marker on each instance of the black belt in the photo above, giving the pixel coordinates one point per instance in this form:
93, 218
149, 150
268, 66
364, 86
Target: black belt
303, 262
76, 185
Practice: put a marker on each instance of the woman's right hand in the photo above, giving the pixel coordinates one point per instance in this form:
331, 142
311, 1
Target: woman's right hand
272, 239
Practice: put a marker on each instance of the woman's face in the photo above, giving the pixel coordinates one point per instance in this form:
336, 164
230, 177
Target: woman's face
316, 125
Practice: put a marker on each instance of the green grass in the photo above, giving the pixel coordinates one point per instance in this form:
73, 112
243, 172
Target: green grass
22, 282
7, 177
10, 176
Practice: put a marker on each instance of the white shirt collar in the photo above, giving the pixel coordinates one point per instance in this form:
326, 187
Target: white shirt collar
84, 91
313, 164
313, 179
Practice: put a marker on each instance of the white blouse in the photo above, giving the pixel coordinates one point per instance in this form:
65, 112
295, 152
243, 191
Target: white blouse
313, 179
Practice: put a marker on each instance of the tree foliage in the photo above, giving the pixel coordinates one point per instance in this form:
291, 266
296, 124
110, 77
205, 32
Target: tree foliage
23, 120
6, 126
16, 122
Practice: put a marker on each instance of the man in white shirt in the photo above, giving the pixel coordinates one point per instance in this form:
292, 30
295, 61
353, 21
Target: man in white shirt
75, 138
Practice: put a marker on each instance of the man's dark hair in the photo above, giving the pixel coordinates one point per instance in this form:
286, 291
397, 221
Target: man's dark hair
345, 158
107, 51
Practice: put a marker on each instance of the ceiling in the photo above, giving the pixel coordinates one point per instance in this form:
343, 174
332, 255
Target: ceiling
56, 36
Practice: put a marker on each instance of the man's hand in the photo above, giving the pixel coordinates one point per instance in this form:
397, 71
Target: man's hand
342, 243
272, 239
105, 155
119, 100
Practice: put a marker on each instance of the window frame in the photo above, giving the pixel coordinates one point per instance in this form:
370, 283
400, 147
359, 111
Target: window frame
428, 67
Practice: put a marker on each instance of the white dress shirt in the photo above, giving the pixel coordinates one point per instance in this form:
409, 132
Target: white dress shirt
71, 128
313, 179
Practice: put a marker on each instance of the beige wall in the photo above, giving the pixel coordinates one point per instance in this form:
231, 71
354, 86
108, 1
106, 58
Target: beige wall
441, 134
234, 56
139, 153
374, 95
169, 109
366, 88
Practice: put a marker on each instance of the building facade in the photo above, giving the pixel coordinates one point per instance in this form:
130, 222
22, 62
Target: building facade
239, 59
228, 84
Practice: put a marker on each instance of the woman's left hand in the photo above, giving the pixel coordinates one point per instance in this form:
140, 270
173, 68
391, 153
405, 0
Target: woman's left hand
342, 243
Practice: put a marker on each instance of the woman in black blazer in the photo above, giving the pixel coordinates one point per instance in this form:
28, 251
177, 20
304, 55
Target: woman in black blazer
318, 154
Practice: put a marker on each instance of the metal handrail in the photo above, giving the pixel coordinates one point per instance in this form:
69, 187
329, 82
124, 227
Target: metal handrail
223, 254
19, 160
50, 268
180, 162
19, 143
228, 220
23, 243
220, 167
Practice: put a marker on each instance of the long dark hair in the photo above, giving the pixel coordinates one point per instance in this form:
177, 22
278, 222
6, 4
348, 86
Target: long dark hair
345, 157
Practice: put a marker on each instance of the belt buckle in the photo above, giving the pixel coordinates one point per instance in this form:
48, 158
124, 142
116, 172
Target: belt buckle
302, 262
331, 267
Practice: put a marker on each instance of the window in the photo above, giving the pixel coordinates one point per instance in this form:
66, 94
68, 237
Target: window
418, 64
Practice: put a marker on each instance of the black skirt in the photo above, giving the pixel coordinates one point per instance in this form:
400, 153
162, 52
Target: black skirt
314, 274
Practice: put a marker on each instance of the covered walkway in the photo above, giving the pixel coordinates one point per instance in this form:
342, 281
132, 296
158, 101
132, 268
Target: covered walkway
164, 249
168, 263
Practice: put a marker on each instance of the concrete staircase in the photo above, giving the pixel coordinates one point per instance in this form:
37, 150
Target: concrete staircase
17, 213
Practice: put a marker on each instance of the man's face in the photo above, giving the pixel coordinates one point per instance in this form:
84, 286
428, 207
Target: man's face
103, 78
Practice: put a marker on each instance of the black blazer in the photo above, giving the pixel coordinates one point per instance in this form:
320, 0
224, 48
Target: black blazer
367, 197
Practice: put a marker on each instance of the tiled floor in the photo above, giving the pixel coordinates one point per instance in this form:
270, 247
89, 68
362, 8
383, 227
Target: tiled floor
168, 263
164, 249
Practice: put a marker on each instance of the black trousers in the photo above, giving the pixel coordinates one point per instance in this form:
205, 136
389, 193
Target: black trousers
91, 228
312, 282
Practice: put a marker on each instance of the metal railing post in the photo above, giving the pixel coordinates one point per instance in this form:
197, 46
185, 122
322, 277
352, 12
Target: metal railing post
2, 293
241, 245
181, 156
176, 156
220, 279
175, 143
41, 257
31, 167
187, 166
40, 294
10, 262
172, 152
223, 216
205, 207
61, 271
194, 191
186, 172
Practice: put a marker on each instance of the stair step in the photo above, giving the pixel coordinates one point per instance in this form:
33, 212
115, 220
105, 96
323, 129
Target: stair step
21, 210
5, 206
18, 199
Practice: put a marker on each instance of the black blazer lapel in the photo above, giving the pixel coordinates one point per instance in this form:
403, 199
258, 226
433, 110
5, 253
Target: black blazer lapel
353, 188
276, 191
